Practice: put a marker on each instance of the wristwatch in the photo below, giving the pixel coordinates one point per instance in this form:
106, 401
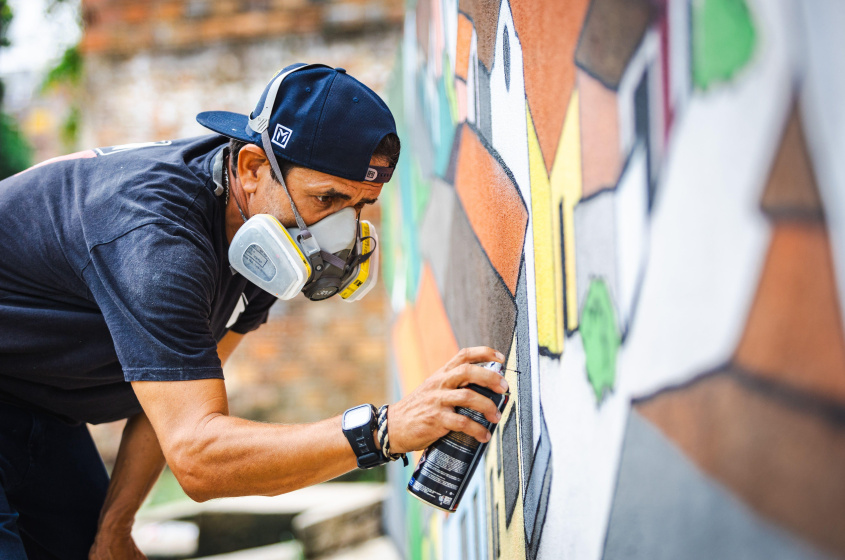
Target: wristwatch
358, 425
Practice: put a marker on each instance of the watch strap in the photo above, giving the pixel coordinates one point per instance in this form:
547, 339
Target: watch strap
363, 443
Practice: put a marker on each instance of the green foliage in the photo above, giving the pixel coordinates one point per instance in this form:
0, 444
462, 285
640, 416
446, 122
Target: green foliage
5, 20
16, 153
723, 40
68, 71
69, 131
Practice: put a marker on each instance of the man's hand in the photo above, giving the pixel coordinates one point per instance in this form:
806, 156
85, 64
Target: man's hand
428, 412
114, 544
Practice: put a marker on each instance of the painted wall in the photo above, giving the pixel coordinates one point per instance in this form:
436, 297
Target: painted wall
642, 203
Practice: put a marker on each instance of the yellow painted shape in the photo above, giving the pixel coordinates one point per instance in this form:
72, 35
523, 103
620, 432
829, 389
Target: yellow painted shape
566, 185
546, 262
511, 539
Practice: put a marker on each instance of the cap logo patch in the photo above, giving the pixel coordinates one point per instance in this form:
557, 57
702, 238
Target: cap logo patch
281, 136
371, 174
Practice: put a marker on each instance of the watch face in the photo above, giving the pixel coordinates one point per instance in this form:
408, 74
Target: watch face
356, 417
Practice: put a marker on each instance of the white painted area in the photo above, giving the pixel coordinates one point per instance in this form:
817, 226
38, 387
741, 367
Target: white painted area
586, 444
644, 56
823, 112
631, 231
680, 48
472, 80
531, 289
708, 235
507, 105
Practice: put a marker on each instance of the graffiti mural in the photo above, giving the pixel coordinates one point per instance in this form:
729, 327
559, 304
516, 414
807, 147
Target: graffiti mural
641, 203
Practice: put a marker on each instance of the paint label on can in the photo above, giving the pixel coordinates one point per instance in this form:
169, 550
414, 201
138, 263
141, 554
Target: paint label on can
447, 465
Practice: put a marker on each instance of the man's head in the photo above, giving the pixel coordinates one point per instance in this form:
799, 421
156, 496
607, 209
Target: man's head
315, 194
330, 136
330, 143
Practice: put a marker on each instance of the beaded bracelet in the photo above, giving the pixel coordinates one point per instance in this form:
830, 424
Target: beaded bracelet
384, 440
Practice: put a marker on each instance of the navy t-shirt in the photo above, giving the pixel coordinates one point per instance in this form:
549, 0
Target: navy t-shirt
114, 268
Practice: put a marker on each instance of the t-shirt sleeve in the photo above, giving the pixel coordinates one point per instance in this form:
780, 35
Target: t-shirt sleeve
154, 286
256, 312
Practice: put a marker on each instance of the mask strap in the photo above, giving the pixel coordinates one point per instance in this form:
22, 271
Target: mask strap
225, 173
333, 259
260, 124
366, 256
308, 242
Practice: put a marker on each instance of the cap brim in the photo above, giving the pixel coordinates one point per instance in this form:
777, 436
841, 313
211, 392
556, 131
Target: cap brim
228, 124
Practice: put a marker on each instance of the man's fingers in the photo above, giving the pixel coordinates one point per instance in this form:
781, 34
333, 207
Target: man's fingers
470, 399
475, 355
459, 423
469, 373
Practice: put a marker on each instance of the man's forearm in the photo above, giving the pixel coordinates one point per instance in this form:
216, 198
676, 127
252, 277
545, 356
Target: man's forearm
236, 457
139, 464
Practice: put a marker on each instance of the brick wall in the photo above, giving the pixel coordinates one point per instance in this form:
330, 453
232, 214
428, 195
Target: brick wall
125, 27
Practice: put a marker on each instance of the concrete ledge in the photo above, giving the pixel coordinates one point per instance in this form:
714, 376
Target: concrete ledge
381, 548
283, 551
348, 519
325, 518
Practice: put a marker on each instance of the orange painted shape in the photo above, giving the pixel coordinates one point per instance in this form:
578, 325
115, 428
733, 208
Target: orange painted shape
485, 15
437, 341
784, 461
493, 205
548, 32
464, 42
794, 332
791, 188
601, 159
408, 351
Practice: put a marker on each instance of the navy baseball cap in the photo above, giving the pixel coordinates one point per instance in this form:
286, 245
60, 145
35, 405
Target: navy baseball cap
318, 117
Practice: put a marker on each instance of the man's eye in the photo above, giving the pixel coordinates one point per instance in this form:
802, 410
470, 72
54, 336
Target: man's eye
323, 199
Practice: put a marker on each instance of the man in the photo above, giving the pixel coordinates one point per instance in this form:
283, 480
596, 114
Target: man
117, 300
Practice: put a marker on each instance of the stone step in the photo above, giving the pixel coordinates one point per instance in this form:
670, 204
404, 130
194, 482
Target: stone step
380, 548
291, 550
346, 520
325, 517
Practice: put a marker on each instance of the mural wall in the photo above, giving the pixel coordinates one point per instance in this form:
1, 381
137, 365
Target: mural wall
642, 204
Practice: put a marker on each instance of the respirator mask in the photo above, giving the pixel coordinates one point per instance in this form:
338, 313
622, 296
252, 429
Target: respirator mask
275, 259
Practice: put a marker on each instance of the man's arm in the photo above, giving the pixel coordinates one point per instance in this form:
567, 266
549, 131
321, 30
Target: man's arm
213, 454
139, 464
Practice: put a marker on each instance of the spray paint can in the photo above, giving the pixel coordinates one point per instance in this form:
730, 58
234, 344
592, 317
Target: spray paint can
446, 467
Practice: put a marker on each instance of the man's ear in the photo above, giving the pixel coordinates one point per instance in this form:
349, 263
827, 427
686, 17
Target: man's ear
250, 160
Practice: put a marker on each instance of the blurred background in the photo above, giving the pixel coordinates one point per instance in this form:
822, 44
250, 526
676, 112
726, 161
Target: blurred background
141, 71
